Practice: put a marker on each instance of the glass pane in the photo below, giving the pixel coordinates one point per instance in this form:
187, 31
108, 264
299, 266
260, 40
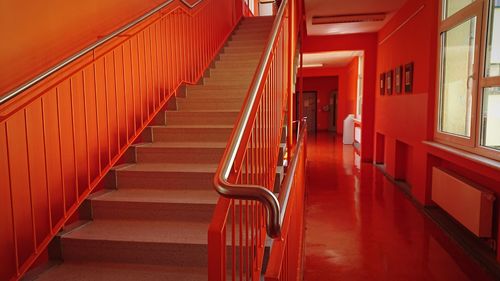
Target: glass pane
452, 6
457, 78
493, 46
490, 121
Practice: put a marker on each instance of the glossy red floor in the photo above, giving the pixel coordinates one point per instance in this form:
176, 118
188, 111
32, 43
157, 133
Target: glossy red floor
360, 226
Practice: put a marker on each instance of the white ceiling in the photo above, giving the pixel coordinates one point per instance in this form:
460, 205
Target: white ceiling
330, 59
348, 7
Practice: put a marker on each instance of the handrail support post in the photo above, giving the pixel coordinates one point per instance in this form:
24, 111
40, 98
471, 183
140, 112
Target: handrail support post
290, 75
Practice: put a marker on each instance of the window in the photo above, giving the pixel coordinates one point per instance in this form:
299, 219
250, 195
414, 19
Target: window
359, 93
469, 76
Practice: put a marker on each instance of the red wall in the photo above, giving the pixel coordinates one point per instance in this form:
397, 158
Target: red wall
324, 86
347, 102
395, 114
366, 42
404, 121
42, 33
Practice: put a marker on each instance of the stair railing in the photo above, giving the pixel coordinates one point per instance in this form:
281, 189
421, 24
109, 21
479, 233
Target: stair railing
245, 178
286, 254
62, 132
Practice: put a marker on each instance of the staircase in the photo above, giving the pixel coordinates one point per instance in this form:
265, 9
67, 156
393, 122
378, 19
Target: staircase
151, 221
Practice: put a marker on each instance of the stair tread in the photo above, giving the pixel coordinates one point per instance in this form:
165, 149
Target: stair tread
99, 271
178, 196
196, 126
184, 144
171, 167
206, 111
143, 231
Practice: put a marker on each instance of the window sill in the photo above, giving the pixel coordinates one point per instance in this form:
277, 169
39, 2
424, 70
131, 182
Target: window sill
464, 154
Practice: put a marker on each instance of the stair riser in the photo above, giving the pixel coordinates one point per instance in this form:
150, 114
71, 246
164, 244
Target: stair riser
253, 41
219, 96
228, 81
151, 211
243, 65
236, 59
243, 36
265, 25
242, 51
222, 105
230, 77
249, 56
195, 118
202, 88
164, 180
135, 252
191, 134
191, 255
178, 155
249, 28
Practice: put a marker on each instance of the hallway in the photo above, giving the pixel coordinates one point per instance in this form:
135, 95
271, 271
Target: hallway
359, 226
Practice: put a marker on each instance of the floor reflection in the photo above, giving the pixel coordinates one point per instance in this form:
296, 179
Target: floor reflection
362, 227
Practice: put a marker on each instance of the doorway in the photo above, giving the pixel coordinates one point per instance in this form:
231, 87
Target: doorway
332, 117
309, 109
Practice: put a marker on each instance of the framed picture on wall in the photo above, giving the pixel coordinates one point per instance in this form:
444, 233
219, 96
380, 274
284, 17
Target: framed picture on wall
398, 79
382, 84
388, 82
409, 77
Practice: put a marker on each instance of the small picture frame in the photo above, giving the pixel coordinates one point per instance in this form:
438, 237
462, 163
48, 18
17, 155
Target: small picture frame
382, 84
388, 82
409, 78
398, 79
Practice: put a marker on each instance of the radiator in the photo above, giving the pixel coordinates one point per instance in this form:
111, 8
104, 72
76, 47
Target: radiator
469, 204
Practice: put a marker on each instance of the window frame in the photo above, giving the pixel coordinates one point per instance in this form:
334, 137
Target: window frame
481, 10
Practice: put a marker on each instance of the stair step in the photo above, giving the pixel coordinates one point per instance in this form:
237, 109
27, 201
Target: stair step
244, 36
223, 81
256, 43
175, 243
200, 118
191, 133
242, 50
180, 152
250, 55
154, 204
219, 89
257, 23
166, 176
203, 103
86, 271
246, 65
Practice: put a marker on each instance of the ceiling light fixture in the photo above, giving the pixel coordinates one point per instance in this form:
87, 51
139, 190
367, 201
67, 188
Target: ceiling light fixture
348, 18
313, 65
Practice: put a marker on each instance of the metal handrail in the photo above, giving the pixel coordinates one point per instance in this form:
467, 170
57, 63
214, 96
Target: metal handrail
246, 191
286, 186
10, 95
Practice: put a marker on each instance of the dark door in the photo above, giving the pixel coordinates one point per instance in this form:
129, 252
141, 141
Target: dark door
332, 119
309, 109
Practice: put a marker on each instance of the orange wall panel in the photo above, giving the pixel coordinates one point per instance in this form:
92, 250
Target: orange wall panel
42, 33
